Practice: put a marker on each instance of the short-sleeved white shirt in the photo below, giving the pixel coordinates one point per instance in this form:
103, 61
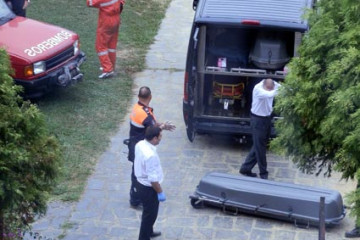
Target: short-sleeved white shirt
147, 164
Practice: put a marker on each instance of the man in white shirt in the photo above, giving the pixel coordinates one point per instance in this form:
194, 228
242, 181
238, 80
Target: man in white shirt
149, 176
261, 109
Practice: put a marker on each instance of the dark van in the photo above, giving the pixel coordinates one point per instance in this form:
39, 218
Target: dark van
233, 45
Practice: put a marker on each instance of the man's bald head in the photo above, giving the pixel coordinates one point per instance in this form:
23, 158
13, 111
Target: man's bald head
144, 93
269, 84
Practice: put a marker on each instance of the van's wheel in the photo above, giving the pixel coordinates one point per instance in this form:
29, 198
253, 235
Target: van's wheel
196, 203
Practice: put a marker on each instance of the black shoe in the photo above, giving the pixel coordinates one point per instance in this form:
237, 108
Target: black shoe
353, 233
264, 177
155, 234
136, 206
248, 174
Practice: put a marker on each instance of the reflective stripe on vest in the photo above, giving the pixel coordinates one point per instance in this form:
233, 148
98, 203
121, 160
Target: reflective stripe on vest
112, 50
103, 53
136, 124
90, 3
108, 3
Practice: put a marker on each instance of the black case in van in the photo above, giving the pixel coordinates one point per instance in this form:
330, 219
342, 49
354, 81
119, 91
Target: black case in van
284, 201
269, 52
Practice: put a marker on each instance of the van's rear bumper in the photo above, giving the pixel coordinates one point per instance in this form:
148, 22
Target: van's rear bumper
67, 74
226, 127
221, 125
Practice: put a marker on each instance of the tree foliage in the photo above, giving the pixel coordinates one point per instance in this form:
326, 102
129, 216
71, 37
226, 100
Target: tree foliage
29, 157
320, 99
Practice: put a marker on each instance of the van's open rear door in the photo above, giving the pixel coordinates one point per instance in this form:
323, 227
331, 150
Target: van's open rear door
190, 79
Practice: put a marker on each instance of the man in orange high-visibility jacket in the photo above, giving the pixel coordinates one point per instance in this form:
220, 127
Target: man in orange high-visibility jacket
141, 117
107, 33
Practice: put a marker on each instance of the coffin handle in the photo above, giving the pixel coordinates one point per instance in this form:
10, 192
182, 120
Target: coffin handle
226, 211
305, 226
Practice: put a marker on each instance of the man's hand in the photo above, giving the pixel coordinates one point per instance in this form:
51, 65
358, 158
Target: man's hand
26, 4
161, 197
168, 126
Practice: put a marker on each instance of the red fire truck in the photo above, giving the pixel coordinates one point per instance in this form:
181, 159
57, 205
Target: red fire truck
43, 56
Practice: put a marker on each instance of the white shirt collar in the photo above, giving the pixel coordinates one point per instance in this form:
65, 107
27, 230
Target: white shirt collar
150, 145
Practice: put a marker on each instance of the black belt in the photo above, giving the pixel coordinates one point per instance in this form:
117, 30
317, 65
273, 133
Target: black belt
264, 117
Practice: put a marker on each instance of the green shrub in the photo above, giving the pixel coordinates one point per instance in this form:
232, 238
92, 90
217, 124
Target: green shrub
320, 99
29, 157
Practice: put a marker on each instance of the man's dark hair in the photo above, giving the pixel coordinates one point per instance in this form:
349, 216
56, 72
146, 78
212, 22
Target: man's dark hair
144, 92
151, 132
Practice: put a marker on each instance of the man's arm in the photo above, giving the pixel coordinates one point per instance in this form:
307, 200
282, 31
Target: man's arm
262, 93
26, 4
149, 121
152, 167
157, 187
277, 85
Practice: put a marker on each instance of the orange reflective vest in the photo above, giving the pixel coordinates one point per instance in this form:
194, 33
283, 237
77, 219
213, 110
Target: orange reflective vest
141, 117
110, 7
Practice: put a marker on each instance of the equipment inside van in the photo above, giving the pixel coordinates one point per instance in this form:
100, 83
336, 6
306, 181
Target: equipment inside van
233, 46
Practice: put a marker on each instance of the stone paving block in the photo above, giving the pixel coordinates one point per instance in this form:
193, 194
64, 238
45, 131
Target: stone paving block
264, 223
84, 204
173, 232
193, 153
77, 237
203, 221
41, 225
121, 232
93, 230
56, 222
257, 234
307, 235
207, 233
223, 222
130, 223
125, 213
285, 173
216, 165
244, 223
286, 235
181, 221
95, 184
227, 234
191, 233
107, 216
89, 214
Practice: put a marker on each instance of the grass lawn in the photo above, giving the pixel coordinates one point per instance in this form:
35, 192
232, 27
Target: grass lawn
85, 115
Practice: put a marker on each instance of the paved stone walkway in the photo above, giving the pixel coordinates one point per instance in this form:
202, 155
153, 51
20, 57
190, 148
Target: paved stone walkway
103, 211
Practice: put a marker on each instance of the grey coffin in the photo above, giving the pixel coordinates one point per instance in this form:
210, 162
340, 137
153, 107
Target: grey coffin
283, 201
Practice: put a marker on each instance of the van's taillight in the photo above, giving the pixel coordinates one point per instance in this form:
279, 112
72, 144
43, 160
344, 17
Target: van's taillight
250, 22
186, 84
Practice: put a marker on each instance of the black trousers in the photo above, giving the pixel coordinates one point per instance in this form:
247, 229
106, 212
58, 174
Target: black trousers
150, 202
17, 7
261, 127
134, 195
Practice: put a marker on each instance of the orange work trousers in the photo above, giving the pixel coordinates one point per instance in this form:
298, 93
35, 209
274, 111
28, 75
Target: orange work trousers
106, 40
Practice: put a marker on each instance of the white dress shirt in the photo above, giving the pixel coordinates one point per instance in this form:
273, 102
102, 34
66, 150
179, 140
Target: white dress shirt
147, 164
262, 99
